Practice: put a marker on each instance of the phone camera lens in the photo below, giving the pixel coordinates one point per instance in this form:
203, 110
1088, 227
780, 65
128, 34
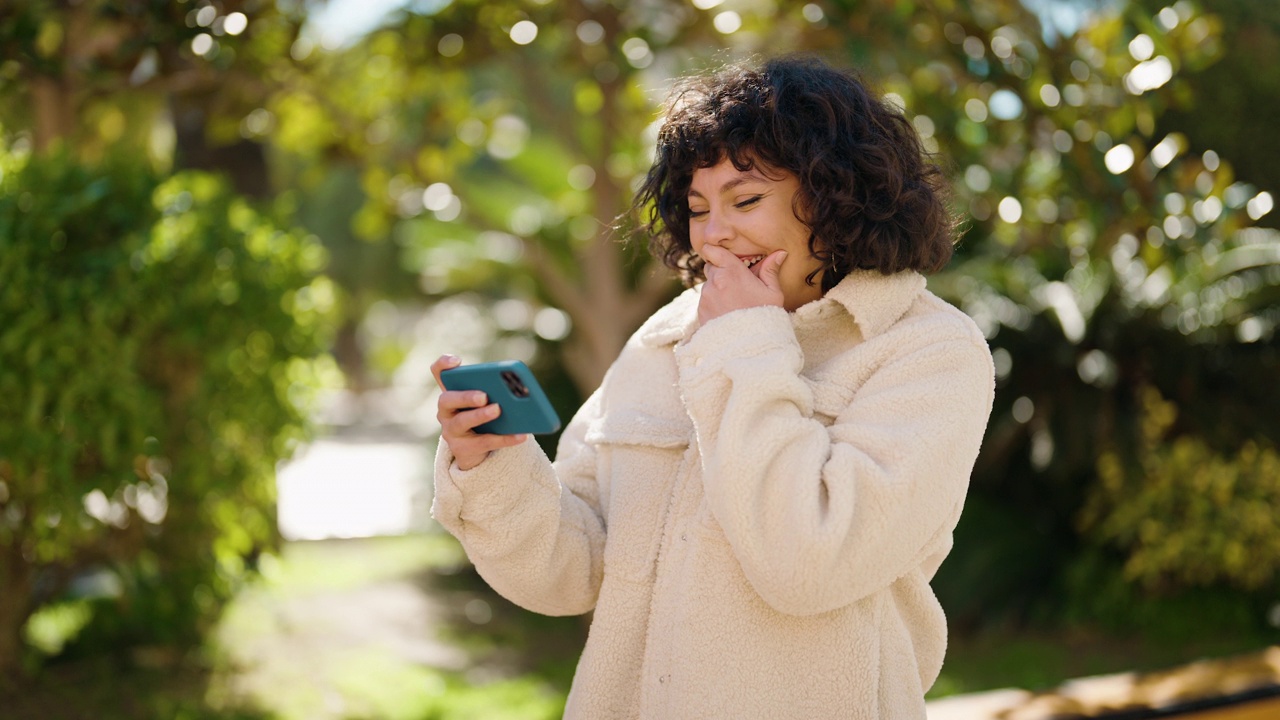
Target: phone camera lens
514, 384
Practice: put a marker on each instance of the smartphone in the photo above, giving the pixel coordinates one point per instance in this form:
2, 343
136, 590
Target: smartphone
510, 383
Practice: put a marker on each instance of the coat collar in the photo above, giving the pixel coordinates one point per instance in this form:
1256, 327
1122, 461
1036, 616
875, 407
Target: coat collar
874, 301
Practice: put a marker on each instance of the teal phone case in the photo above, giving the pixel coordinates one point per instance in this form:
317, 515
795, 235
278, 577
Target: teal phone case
510, 383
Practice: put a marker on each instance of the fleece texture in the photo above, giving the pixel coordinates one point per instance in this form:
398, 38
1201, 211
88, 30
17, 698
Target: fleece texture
753, 508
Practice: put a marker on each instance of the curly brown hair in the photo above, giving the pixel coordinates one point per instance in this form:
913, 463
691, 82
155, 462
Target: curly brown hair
869, 193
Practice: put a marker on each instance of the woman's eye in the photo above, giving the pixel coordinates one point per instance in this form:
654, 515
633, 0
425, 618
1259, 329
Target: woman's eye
697, 213
749, 201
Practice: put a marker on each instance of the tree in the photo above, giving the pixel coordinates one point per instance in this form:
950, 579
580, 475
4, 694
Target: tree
95, 75
161, 343
1102, 256
499, 141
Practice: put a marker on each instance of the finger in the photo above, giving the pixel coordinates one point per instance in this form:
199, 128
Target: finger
718, 256
464, 422
485, 442
769, 268
462, 399
444, 362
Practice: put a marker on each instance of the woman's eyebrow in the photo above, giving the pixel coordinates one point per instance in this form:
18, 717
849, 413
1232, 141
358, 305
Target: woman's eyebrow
733, 183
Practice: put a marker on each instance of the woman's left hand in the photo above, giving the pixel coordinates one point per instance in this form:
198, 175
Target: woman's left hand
731, 285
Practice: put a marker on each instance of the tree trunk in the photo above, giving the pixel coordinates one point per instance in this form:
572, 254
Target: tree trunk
54, 116
244, 161
15, 607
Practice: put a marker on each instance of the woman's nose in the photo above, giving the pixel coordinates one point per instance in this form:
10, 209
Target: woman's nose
716, 229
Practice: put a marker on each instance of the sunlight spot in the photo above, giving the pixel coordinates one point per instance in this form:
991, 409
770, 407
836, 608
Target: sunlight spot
509, 136
1047, 209
1002, 47
1142, 47
706, 4
1260, 205
1050, 96
976, 110
1119, 159
523, 32
1237, 194
202, 44
500, 246
1041, 449
525, 220
1002, 360
1005, 104
478, 611
582, 177
1148, 75
1097, 368
1207, 210
437, 196
552, 324
590, 32
973, 47
512, 314
812, 13
727, 22
1062, 299
924, 125
450, 45
1010, 210
1165, 151
637, 52
235, 23
1023, 409
471, 131
978, 178
450, 211
1249, 330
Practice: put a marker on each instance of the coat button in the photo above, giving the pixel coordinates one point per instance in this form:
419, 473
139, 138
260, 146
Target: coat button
664, 679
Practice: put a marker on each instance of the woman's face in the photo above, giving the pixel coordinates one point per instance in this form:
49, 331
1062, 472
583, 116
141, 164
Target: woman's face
750, 214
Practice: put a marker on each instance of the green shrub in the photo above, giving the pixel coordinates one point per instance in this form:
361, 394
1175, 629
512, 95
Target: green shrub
159, 342
1184, 514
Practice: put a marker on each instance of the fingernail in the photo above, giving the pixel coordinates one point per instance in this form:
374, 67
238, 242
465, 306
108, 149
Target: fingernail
451, 359
782, 256
478, 399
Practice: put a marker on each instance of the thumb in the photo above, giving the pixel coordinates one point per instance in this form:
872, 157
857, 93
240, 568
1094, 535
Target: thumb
770, 267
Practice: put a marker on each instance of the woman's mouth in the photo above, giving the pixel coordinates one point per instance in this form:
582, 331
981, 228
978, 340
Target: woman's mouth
751, 260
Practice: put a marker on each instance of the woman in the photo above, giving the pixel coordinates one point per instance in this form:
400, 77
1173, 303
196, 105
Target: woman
755, 499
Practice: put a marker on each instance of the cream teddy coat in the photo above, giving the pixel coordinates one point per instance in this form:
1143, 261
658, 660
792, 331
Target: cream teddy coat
753, 510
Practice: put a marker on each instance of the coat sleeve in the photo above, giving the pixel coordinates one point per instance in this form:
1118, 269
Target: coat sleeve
819, 517
533, 528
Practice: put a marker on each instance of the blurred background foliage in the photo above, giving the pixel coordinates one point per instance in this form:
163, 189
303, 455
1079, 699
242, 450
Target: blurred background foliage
470, 162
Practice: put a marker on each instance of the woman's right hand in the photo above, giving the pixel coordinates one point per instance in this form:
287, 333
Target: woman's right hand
459, 412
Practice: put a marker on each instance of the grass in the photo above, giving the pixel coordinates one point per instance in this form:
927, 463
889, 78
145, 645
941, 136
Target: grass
403, 629
1040, 660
